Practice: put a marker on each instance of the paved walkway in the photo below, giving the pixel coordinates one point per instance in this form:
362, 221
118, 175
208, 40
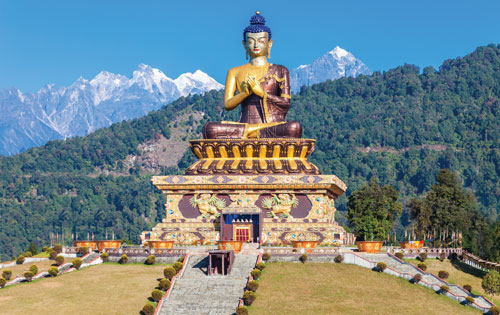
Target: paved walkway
426, 277
198, 293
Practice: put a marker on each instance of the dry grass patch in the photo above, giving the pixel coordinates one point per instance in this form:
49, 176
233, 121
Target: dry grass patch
460, 274
327, 288
102, 289
18, 270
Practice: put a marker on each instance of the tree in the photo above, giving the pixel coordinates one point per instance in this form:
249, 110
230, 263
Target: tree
372, 210
491, 282
33, 249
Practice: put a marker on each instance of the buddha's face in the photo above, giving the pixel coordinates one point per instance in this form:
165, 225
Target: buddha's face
257, 44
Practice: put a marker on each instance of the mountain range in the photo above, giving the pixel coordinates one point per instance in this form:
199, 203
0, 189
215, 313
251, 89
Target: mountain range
32, 119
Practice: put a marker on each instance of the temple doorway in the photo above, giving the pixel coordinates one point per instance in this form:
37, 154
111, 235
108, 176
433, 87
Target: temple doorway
240, 227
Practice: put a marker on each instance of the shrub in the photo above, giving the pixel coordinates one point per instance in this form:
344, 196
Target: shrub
150, 260
381, 266
469, 300
417, 278
495, 310
28, 254
59, 260
28, 275
34, 269
252, 285
444, 288
442, 257
339, 258
123, 259
77, 263
83, 250
53, 271
453, 256
105, 257
261, 266
443, 274
169, 272
157, 295
422, 266
58, 248
6, 274
20, 260
468, 287
422, 257
148, 309
181, 259
491, 282
241, 310
266, 256
45, 249
177, 266
165, 284
256, 273
52, 254
3, 282
303, 258
400, 255
249, 297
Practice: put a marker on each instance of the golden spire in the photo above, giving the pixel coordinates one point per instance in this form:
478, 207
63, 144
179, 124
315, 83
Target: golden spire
257, 12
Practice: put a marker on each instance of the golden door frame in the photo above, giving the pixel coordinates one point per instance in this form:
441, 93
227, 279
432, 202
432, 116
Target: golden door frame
247, 227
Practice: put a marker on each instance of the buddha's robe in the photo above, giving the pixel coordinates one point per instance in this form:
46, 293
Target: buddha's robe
261, 117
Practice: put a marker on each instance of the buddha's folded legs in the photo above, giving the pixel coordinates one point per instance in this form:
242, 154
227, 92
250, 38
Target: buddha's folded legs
227, 130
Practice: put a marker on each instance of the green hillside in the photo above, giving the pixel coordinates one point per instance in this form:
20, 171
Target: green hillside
402, 126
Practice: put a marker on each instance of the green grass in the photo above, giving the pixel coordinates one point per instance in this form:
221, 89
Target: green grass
327, 288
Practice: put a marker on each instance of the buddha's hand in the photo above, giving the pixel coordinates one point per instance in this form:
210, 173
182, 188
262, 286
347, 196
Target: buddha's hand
255, 86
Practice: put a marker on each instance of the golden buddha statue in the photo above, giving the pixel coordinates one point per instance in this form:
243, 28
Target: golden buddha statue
261, 88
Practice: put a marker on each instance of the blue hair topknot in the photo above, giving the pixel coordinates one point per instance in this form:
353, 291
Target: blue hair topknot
257, 25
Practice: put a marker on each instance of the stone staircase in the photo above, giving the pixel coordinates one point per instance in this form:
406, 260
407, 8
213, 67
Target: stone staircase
197, 293
400, 267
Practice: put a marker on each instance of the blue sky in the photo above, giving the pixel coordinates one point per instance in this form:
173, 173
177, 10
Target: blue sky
47, 41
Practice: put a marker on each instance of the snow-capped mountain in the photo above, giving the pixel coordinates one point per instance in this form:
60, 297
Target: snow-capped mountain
333, 65
32, 119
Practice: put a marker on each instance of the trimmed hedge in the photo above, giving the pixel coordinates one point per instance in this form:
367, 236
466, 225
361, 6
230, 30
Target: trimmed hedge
249, 297
59, 260
20, 260
148, 309
400, 255
422, 257
123, 259
468, 287
443, 274
444, 288
261, 266
52, 254
83, 250
469, 300
422, 266
417, 278
495, 310
256, 273
157, 295
58, 248
105, 257
165, 284
151, 260
53, 271
266, 256
442, 257
169, 272
303, 258
34, 269
339, 258
177, 266
3, 282
77, 263
6, 274
28, 275
381, 266
252, 285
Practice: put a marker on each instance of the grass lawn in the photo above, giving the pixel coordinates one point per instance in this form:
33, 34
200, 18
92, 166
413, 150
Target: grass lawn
18, 270
460, 274
327, 288
101, 289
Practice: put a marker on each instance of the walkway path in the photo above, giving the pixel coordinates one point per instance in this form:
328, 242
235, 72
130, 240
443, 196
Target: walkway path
198, 293
428, 278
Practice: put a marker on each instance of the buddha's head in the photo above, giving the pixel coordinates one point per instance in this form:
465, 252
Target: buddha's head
257, 37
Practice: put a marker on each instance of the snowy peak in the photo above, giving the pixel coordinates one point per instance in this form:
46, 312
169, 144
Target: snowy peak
191, 83
335, 64
84, 106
